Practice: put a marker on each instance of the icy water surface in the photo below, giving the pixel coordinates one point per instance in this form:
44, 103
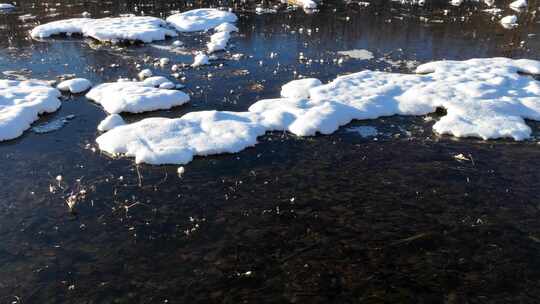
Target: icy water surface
399, 216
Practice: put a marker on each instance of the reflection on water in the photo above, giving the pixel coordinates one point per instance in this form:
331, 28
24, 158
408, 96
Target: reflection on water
328, 219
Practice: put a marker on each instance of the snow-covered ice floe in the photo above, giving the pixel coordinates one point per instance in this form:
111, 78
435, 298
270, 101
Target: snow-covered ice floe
202, 19
133, 28
21, 103
75, 86
200, 59
509, 22
518, 5
6, 6
358, 54
307, 4
364, 131
136, 97
299, 88
110, 122
486, 98
219, 40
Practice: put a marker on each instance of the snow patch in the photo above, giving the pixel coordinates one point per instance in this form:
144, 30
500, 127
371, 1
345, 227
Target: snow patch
200, 59
219, 40
200, 19
486, 98
110, 122
358, 54
132, 28
226, 27
6, 6
145, 73
75, 86
155, 81
299, 88
135, 97
20, 104
518, 4
509, 22
307, 4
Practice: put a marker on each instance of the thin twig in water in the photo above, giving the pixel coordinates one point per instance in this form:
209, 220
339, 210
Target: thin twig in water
299, 252
411, 238
139, 175
472, 159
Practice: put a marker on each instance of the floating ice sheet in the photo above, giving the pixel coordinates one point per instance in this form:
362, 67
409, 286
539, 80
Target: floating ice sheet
486, 98
21, 103
364, 131
133, 28
53, 125
358, 54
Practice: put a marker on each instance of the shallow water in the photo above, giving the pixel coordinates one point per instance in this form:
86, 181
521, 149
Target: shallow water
343, 218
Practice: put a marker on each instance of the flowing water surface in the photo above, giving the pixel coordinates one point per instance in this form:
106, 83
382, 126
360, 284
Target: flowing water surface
379, 212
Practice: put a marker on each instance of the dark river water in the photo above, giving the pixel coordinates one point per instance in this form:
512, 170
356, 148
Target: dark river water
390, 218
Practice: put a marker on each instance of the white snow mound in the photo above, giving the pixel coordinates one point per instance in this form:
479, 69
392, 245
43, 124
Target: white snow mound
307, 4
202, 19
6, 6
509, 22
110, 122
486, 98
20, 104
226, 27
219, 40
133, 28
155, 81
75, 86
518, 4
299, 88
200, 59
135, 97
